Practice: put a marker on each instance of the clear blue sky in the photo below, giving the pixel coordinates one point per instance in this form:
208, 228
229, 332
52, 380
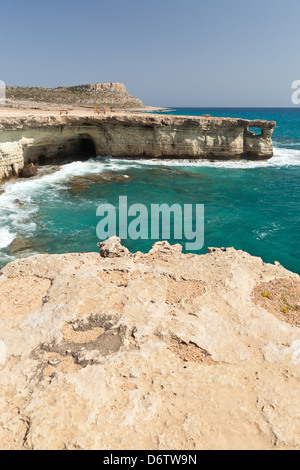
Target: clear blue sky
167, 52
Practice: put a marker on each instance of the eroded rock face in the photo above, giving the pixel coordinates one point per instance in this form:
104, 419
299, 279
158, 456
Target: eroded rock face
147, 351
37, 138
112, 87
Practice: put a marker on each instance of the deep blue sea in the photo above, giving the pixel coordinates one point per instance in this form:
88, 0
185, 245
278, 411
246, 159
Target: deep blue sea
253, 206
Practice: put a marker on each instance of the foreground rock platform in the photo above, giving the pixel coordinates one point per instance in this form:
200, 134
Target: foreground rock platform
148, 351
43, 138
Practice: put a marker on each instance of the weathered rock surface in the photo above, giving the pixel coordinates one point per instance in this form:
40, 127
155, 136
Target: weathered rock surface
34, 138
146, 351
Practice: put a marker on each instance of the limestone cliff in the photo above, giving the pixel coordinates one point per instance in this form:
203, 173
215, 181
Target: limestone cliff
149, 351
28, 139
113, 87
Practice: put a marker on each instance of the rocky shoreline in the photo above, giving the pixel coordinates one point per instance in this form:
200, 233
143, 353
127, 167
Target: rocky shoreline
161, 350
42, 124
41, 137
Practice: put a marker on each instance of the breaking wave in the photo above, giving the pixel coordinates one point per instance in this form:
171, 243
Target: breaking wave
21, 200
283, 157
6, 237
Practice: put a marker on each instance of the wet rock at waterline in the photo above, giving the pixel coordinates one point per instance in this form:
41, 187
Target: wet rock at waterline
20, 246
18, 202
28, 171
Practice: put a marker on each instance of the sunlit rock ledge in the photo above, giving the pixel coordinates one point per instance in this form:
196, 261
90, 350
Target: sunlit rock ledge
154, 351
43, 138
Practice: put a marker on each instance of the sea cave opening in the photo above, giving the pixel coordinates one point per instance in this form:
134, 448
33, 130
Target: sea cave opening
87, 148
42, 160
79, 148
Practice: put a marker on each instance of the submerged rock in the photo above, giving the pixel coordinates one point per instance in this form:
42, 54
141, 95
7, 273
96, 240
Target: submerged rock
80, 183
107, 177
48, 169
18, 202
21, 246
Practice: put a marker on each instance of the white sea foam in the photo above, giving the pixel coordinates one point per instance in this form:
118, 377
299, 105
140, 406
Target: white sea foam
26, 190
38, 184
287, 144
6, 237
283, 157
19, 219
266, 231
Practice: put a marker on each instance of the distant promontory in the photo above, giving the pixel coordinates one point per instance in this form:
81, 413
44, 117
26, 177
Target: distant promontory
97, 94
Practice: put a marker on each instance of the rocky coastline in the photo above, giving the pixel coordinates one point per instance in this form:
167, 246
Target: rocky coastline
41, 137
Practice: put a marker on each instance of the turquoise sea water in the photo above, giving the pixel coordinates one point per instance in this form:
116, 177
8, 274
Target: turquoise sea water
253, 206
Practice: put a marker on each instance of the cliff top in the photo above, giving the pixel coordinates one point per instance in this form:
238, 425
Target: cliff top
29, 117
161, 350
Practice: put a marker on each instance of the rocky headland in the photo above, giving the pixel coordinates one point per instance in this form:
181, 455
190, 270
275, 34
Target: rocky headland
39, 137
162, 350
99, 94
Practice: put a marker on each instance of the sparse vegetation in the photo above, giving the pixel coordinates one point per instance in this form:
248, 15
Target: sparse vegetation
80, 95
266, 295
281, 297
